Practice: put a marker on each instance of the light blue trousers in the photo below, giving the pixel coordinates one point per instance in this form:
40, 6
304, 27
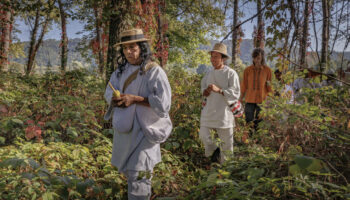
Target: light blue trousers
139, 188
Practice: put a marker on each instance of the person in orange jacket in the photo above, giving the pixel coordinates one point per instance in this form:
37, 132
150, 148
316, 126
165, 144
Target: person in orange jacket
255, 86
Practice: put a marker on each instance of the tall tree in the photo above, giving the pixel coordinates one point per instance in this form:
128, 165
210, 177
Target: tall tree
64, 37
95, 14
5, 32
260, 32
190, 22
235, 31
118, 12
99, 30
325, 33
304, 39
162, 53
38, 24
315, 30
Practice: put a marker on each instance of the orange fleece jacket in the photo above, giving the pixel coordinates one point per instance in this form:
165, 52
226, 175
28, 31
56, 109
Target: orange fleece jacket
256, 84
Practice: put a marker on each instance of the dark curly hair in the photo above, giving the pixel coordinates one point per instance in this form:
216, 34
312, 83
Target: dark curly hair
145, 54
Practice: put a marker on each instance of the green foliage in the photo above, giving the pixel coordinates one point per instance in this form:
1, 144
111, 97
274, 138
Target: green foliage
55, 144
190, 24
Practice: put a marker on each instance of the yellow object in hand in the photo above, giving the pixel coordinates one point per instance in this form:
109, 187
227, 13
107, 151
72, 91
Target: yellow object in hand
116, 93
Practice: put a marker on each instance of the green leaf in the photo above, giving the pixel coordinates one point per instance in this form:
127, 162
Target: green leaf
303, 161
72, 131
2, 140
187, 144
17, 122
13, 162
81, 186
315, 166
49, 196
294, 170
212, 179
167, 146
33, 163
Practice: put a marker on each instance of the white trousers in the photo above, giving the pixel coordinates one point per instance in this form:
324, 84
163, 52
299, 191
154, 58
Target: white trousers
139, 188
225, 143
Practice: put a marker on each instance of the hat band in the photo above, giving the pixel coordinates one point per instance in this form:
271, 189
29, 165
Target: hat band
132, 37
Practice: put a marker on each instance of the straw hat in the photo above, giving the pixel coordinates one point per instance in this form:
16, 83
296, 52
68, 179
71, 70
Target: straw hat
220, 48
131, 36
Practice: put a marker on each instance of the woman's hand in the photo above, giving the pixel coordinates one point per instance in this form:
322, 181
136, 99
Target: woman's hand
126, 100
123, 101
115, 101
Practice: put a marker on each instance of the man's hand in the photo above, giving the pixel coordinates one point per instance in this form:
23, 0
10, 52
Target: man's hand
214, 88
206, 92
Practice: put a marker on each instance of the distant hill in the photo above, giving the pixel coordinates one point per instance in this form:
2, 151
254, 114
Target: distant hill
49, 53
247, 47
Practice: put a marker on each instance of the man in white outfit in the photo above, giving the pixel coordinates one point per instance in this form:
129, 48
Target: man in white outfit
220, 87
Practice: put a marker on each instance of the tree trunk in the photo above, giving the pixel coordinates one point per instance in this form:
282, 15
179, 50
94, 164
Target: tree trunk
294, 11
235, 31
260, 37
325, 34
315, 32
97, 11
337, 25
31, 54
64, 39
114, 26
35, 44
160, 36
303, 41
6, 28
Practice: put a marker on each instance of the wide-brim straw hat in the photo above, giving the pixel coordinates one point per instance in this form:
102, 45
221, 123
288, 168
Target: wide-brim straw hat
220, 48
131, 36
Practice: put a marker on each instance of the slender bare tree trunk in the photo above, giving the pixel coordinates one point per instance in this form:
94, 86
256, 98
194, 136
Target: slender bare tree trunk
325, 34
35, 44
303, 42
293, 15
97, 12
338, 26
64, 39
315, 31
235, 31
34, 32
160, 35
260, 32
6, 28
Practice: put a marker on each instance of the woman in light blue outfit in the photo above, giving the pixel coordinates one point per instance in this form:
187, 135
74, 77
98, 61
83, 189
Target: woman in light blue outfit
140, 116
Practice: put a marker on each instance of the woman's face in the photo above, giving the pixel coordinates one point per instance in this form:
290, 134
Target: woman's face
257, 60
132, 53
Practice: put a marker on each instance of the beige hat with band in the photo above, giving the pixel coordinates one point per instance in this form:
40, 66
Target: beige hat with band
220, 48
131, 36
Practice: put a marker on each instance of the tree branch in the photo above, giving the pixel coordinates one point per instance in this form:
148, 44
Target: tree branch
238, 25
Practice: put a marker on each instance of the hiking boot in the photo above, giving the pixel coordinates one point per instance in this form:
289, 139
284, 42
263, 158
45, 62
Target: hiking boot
216, 156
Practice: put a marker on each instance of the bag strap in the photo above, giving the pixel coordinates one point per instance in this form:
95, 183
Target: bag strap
133, 76
130, 79
150, 65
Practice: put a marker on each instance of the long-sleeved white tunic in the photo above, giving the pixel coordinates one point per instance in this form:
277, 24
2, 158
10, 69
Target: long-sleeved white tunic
138, 129
216, 112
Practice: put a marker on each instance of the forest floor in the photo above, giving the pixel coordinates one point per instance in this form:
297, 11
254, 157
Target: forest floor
56, 145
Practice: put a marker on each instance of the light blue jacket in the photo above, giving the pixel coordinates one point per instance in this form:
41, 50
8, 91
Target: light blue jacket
138, 129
